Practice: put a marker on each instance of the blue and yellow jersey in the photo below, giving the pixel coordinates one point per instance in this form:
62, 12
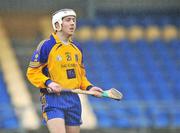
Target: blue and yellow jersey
58, 62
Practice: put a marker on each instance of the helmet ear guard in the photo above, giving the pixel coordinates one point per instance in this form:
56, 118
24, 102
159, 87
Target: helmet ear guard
59, 15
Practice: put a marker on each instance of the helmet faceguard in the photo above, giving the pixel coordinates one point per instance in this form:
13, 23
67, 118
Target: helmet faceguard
59, 15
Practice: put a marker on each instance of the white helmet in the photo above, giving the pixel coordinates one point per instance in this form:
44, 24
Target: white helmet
59, 15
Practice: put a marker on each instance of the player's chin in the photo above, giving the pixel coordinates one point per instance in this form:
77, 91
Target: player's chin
71, 33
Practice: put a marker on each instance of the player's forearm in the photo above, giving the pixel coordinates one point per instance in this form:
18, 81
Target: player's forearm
37, 78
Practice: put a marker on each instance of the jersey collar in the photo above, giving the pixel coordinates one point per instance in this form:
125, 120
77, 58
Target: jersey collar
56, 38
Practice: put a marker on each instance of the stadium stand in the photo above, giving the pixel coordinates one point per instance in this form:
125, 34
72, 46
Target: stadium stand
143, 63
8, 118
15, 85
132, 46
141, 71
140, 58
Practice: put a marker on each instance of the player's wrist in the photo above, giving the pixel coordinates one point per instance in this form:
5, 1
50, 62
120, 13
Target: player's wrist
89, 87
48, 82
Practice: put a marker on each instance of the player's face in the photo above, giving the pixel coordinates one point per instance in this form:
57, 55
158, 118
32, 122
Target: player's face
69, 25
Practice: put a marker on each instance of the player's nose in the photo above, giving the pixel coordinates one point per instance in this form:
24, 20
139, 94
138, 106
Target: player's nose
72, 22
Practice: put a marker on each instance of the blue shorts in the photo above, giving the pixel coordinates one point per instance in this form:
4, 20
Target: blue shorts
67, 106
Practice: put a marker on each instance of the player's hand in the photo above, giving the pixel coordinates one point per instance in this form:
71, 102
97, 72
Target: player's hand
54, 88
97, 91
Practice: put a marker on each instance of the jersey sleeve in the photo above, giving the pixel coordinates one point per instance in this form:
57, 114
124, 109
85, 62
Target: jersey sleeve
38, 62
85, 83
